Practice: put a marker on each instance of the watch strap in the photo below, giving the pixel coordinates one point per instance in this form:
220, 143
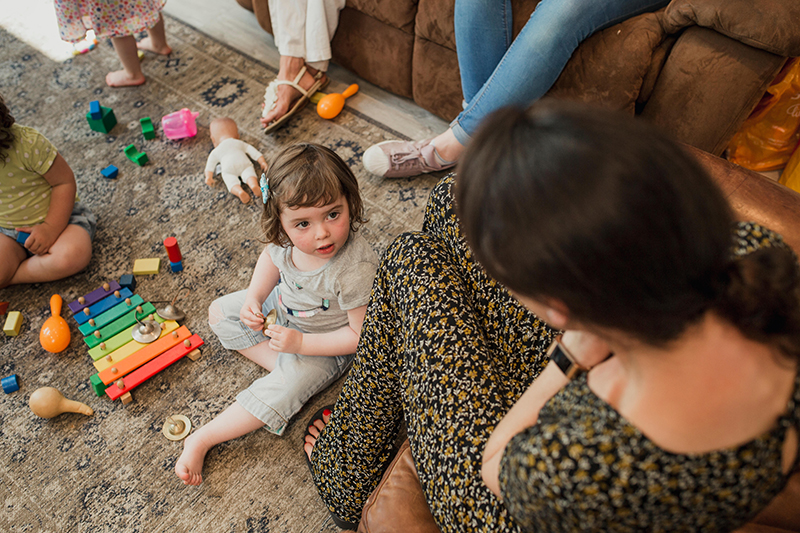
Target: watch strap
563, 359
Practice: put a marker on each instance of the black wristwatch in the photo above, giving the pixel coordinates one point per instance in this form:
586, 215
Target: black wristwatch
563, 359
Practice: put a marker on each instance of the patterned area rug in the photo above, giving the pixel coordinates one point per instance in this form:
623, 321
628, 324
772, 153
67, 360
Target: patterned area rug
113, 471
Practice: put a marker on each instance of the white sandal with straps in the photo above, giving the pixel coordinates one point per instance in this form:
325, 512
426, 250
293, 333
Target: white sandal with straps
271, 96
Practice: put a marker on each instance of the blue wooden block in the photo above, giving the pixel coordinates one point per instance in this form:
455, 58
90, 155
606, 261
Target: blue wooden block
127, 280
177, 266
110, 172
10, 384
22, 237
94, 110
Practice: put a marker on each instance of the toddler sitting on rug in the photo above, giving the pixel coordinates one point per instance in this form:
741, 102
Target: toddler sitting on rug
37, 198
315, 276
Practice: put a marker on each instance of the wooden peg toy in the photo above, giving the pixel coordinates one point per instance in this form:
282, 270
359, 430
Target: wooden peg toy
48, 402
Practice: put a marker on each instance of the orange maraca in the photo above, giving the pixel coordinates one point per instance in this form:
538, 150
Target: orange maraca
332, 104
55, 335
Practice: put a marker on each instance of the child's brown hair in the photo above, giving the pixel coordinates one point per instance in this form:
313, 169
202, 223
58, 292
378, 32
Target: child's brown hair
6, 121
307, 175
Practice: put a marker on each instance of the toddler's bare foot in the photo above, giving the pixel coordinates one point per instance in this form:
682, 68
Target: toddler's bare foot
190, 464
120, 78
147, 45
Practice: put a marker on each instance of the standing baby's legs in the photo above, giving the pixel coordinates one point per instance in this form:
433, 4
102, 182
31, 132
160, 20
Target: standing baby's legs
232, 423
70, 254
128, 51
131, 73
156, 40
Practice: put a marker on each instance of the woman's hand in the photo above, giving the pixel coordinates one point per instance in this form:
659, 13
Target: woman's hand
587, 349
251, 315
286, 340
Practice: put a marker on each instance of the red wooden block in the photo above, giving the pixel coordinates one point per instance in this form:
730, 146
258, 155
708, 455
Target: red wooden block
174, 253
3, 308
145, 372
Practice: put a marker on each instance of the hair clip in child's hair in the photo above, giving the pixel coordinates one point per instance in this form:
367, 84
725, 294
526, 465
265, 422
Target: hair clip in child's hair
264, 182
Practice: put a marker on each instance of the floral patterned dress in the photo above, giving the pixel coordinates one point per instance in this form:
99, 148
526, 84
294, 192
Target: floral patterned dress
108, 18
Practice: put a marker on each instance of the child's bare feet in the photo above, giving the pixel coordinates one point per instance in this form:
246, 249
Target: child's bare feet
315, 431
287, 95
147, 45
120, 78
190, 464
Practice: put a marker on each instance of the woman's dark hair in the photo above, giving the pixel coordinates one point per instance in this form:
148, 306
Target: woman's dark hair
6, 121
306, 175
605, 214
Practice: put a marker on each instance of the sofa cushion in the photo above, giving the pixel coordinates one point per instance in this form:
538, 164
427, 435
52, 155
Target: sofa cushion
609, 67
770, 25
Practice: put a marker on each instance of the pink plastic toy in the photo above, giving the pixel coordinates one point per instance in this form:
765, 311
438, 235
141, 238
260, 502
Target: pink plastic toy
180, 124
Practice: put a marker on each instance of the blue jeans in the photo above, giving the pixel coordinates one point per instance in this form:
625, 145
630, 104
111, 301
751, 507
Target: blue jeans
497, 70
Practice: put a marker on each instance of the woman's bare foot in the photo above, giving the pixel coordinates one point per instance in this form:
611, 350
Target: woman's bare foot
315, 431
190, 464
287, 95
147, 45
120, 78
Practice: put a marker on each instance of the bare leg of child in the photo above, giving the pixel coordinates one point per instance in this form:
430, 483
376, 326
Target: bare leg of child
131, 73
156, 40
70, 254
13, 255
232, 423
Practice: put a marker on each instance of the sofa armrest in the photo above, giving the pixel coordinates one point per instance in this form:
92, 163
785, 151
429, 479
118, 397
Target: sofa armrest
398, 505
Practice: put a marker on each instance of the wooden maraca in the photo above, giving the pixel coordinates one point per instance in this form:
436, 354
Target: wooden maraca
332, 104
55, 335
48, 402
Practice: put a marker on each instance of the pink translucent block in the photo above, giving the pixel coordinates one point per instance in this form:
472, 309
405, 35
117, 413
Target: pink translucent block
180, 124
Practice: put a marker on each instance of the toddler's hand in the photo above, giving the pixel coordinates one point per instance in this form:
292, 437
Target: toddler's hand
41, 239
251, 315
284, 339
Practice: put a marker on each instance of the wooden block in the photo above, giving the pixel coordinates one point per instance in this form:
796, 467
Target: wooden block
110, 359
145, 372
146, 266
3, 308
147, 128
109, 331
94, 110
143, 355
97, 386
126, 398
103, 305
194, 355
13, 323
111, 315
94, 296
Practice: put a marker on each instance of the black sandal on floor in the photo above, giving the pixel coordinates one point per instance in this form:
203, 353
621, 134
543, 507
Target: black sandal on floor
343, 524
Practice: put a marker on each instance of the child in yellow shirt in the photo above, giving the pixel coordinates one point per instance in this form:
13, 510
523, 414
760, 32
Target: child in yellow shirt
37, 196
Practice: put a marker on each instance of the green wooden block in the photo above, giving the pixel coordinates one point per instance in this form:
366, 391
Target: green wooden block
103, 319
107, 333
104, 124
98, 386
140, 159
147, 128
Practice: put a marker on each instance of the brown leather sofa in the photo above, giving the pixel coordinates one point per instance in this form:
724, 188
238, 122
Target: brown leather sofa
398, 503
697, 69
